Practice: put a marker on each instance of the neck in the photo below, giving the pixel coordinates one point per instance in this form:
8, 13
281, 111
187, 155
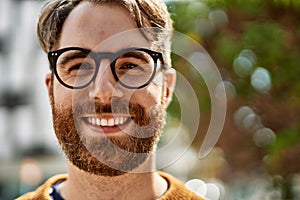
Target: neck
131, 185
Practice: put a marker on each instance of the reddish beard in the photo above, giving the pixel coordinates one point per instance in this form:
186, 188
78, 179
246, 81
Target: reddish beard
110, 155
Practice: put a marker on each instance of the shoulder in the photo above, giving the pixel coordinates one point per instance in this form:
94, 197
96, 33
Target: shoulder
42, 192
177, 189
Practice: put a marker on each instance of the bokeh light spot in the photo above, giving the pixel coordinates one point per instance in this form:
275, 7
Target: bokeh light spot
261, 80
248, 53
242, 66
241, 114
218, 17
264, 137
229, 89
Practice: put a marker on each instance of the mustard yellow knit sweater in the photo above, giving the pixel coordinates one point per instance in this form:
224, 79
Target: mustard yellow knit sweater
176, 190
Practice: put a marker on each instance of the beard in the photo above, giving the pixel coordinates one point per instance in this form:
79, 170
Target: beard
107, 155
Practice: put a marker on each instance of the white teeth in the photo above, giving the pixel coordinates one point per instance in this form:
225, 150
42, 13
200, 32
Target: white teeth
93, 120
121, 121
117, 121
111, 122
98, 122
104, 122
107, 122
89, 120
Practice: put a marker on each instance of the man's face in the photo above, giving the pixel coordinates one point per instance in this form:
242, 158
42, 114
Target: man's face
105, 128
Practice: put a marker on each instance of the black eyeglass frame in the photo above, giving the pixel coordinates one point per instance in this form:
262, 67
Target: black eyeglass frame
97, 56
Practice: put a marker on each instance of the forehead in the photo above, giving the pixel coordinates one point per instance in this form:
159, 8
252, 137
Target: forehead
101, 27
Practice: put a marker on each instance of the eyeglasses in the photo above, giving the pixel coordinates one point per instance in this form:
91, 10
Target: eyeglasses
133, 68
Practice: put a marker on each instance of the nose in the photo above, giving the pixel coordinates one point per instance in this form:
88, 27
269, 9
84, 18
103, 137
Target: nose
105, 87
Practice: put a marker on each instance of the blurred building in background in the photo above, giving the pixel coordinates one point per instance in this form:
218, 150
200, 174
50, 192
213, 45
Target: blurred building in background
28, 149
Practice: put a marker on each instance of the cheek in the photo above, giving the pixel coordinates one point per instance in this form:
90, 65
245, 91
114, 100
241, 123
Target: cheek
148, 97
156, 87
60, 92
64, 96
155, 93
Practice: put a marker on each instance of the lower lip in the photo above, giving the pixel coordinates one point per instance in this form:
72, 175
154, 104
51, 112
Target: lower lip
108, 130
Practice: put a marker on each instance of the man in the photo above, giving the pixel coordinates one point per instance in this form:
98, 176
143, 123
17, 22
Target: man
110, 84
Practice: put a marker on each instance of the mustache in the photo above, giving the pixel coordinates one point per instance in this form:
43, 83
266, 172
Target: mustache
116, 106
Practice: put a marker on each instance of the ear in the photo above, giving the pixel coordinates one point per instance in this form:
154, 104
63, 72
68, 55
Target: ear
48, 81
170, 75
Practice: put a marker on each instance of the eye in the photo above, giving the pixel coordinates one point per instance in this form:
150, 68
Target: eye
81, 67
131, 66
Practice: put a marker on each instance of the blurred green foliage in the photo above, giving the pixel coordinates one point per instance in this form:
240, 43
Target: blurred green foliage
271, 30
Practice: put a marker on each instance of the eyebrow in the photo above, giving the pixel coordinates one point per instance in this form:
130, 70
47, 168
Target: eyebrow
71, 56
137, 55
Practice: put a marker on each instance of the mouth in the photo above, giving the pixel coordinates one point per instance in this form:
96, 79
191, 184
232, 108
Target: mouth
107, 124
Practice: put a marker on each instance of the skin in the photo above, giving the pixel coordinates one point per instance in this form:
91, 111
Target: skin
89, 27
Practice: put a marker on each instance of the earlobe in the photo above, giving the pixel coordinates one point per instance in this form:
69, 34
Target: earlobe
170, 75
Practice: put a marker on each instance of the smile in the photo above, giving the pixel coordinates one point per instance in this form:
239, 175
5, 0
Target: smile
108, 121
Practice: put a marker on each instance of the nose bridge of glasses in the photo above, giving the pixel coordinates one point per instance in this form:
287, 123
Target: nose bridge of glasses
103, 55
104, 74
103, 60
